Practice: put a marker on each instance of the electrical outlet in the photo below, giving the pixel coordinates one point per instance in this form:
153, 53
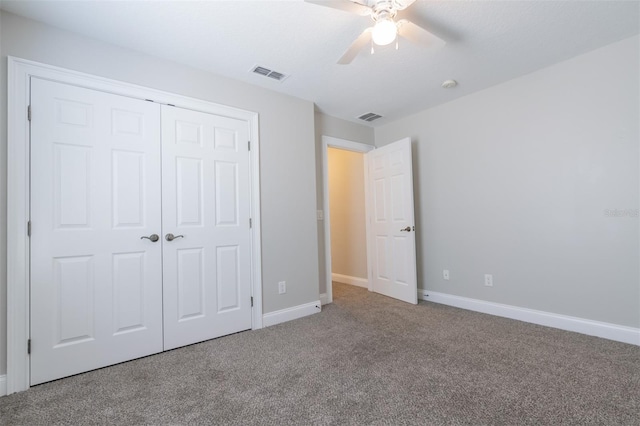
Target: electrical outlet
445, 274
488, 280
282, 287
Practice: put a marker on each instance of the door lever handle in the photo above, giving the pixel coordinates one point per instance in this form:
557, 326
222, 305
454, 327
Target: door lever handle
407, 229
171, 237
152, 237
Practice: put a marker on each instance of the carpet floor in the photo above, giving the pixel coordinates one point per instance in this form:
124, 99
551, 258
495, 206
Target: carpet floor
365, 359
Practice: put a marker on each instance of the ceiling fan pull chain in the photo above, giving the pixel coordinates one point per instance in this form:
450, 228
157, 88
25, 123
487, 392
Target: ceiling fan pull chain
396, 43
372, 50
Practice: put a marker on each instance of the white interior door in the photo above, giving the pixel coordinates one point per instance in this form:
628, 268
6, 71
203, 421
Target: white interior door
206, 207
96, 286
392, 241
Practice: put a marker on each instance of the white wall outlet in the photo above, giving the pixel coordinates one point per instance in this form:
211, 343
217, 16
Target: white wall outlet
320, 214
488, 280
282, 287
445, 274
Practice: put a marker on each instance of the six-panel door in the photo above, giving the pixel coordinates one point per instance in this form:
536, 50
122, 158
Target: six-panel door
205, 163
96, 286
392, 236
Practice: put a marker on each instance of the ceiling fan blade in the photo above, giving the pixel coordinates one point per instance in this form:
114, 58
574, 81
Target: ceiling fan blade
355, 47
346, 5
418, 35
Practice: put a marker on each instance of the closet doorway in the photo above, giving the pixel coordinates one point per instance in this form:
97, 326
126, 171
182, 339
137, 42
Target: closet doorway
134, 224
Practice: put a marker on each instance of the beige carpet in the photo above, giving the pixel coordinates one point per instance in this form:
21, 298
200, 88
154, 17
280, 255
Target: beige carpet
366, 359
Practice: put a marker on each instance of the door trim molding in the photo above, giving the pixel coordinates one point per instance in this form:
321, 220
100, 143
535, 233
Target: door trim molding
18, 174
331, 142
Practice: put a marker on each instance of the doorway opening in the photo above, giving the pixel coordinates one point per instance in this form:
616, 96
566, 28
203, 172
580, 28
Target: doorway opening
345, 224
389, 218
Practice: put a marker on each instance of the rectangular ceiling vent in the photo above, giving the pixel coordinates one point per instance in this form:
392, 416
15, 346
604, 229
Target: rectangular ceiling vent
268, 73
370, 116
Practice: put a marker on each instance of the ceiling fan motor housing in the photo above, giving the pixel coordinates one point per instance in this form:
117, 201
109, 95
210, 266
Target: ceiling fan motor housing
390, 6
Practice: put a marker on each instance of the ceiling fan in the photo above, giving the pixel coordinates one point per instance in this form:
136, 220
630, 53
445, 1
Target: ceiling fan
385, 29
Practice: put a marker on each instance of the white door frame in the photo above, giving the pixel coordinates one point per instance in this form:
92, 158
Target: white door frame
331, 142
18, 175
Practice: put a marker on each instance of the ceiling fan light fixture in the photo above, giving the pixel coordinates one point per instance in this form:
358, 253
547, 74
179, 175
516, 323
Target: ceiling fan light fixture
384, 32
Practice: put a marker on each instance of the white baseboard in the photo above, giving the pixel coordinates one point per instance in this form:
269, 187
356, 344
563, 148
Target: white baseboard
605, 330
3, 385
324, 299
284, 315
347, 279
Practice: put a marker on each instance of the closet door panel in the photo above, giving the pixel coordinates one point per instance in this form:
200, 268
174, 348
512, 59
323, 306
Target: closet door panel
96, 286
205, 196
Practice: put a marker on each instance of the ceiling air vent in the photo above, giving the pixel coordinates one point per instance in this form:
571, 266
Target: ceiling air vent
268, 73
370, 116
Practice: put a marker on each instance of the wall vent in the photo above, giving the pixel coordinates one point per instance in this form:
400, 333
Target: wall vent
268, 73
370, 116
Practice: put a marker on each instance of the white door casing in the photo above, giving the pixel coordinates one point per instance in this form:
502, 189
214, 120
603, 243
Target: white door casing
96, 286
206, 206
392, 246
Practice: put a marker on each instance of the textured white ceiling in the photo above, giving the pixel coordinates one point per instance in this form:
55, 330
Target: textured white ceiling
488, 42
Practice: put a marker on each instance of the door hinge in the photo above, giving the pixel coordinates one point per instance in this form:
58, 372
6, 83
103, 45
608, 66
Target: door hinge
29, 347
250, 223
29, 113
252, 301
249, 145
28, 228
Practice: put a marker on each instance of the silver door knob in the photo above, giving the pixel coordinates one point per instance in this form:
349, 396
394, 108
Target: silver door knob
171, 237
407, 229
152, 237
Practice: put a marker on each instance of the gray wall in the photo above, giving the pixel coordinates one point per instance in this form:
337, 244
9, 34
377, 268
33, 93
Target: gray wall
515, 181
287, 161
326, 125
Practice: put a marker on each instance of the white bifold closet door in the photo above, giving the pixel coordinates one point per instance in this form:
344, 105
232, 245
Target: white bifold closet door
205, 198
112, 178
96, 286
